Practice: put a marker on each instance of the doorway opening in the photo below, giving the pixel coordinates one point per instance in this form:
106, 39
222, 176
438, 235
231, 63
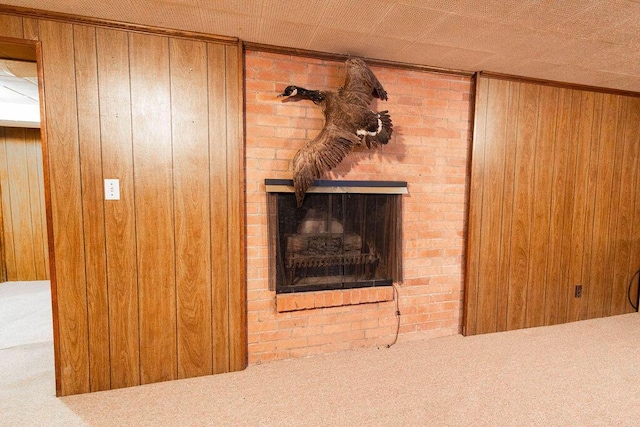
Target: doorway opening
24, 254
25, 286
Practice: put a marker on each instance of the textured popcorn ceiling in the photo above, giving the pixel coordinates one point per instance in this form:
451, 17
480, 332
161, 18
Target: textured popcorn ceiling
593, 42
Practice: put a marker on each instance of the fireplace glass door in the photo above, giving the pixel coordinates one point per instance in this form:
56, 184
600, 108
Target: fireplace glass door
334, 241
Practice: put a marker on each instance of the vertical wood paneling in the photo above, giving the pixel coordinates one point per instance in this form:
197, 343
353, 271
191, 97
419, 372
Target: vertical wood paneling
192, 202
625, 210
24, 239
494, 161
555, 301
475, 207
235, 193
11, 26
70, 309
43, 207
542, 182
634, 238
8, 244
3, 263
580, 203
36, 201
634, 235
220, 258
522, 207
120, 233
600, 241
150, 95
594, 166
567, 285
152, 286
21, 235
30, 28
615, 201
93, 205
568, 167
507, 207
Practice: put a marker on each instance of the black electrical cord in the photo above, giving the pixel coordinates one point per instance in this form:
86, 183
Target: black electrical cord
396, 297
635, 307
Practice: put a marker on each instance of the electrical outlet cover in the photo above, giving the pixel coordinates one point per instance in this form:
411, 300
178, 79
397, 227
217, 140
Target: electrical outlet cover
112, 189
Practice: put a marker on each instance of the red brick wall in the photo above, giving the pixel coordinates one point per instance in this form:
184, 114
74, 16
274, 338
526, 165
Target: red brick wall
429, 150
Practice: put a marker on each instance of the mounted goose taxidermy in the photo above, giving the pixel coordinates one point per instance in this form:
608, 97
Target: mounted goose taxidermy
348, 121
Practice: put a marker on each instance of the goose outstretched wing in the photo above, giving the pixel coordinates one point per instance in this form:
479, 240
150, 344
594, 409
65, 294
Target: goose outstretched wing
361, 85
318, 156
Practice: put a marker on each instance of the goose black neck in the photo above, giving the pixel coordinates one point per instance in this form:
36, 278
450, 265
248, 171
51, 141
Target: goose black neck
313, 95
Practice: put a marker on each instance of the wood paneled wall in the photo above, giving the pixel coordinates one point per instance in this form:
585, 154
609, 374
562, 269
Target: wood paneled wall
150, 287
554, 203
24, 254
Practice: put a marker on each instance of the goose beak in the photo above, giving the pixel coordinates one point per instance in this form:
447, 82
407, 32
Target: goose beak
288, 98
284, 94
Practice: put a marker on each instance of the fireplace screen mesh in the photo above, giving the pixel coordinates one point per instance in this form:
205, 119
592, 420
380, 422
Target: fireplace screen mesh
334, 241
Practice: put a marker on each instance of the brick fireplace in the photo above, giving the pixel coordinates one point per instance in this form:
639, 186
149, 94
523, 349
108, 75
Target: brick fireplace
428, 151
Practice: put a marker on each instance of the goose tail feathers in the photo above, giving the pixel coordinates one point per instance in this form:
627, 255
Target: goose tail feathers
383, 136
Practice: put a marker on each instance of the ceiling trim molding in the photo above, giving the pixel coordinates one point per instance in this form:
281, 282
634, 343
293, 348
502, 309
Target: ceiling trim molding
342, 57
77, 19
564, 85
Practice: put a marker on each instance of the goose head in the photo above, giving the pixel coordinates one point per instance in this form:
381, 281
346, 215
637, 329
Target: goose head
296, 93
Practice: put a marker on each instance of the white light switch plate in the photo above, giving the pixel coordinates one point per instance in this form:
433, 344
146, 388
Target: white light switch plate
112, 189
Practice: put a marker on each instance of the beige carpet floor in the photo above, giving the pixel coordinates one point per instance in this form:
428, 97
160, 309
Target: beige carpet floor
579, 374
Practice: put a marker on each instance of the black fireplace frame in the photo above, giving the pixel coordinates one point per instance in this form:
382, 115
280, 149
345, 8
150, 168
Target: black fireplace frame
363, 259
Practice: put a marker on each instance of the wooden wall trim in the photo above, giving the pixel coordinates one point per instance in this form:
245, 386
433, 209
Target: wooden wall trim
107, 23
554, 83
27, 48
468, 311
49, 215
259, 47
20, 49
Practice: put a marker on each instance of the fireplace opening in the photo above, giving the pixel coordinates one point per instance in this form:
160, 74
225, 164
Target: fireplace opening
342, 237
